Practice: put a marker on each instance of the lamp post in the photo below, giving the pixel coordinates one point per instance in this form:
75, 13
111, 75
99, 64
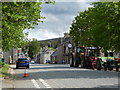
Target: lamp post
69, 47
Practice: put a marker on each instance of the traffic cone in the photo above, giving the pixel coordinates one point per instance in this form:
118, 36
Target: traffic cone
25, 73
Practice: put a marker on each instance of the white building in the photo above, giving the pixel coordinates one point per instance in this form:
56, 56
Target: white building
44, 55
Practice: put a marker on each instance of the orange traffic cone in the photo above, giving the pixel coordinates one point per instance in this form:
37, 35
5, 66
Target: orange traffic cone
25, 73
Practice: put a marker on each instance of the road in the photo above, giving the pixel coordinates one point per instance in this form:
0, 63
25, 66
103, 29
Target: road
62, 76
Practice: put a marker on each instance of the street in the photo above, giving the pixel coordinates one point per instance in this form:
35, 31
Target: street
62, 76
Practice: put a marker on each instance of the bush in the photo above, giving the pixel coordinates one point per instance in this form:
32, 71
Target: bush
2, 64
4, 69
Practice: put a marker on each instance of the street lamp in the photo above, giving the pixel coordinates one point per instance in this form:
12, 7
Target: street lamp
69, 47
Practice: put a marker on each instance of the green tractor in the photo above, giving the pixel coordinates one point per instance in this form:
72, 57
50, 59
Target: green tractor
108, 62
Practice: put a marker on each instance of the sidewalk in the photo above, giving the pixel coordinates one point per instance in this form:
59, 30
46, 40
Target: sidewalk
8, 82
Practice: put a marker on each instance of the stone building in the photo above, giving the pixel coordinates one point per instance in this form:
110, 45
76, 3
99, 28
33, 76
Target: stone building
44, 55
62, 51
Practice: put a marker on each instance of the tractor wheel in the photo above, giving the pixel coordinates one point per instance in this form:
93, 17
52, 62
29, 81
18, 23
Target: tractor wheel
87, 65
82, 64
76, 63
116, 66
105, 67
71, 61
98, 65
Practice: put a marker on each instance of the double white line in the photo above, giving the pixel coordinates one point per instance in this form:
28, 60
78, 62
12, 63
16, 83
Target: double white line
35, 83
42, 81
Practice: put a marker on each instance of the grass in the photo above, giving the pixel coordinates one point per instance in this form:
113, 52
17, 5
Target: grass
4, 69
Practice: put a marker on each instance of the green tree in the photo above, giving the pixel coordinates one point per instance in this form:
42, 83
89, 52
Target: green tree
17, 16
79, 29
100, 26
33, 48
106, 25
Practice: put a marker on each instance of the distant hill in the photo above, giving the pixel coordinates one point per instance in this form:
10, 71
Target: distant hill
53, 43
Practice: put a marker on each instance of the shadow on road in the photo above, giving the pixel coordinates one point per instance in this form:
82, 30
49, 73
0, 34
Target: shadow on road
107, 86
60, 72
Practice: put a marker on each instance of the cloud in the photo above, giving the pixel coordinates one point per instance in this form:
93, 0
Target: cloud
59, 17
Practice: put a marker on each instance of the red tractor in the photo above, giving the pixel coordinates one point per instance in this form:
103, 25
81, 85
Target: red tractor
86, 57
117, 63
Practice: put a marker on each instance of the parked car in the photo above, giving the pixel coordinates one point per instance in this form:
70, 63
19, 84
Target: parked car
22, 62
32, 62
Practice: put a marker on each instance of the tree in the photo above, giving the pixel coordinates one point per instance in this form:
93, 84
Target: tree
17, 16
33, 48
100, 26
80, 28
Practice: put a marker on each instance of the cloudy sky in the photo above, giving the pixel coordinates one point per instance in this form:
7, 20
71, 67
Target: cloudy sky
59, 17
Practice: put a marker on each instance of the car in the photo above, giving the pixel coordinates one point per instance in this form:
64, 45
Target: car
22, 62
32, 62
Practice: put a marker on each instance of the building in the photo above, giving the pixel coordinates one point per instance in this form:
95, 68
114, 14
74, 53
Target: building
62, 51
10, 57
57, 56
44, 55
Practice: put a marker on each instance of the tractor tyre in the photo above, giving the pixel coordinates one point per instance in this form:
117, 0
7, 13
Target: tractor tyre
116, 66
98, 65
105, 67
76, 63
82, 64
71, 61
87, 65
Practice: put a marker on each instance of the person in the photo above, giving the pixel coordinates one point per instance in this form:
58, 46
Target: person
55, 62
63, 62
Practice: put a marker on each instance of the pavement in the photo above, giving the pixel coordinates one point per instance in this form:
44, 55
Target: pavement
8, 82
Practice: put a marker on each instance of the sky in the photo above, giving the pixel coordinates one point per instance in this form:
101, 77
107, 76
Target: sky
58, 20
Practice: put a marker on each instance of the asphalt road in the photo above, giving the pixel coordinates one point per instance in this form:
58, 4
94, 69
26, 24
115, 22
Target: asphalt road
62, 76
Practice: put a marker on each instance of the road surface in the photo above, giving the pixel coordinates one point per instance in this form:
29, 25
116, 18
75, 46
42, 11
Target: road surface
62, 76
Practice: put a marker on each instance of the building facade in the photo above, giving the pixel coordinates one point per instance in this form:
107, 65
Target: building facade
10, 57
44, 55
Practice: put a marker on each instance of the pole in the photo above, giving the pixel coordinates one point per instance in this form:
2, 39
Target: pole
69, 57
12, 55
69, 47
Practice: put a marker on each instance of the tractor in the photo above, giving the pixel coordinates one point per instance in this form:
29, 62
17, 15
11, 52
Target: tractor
117, 63
107, 62
86, 57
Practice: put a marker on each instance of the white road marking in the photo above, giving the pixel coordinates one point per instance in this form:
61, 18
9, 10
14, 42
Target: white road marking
44, 83
35, 83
